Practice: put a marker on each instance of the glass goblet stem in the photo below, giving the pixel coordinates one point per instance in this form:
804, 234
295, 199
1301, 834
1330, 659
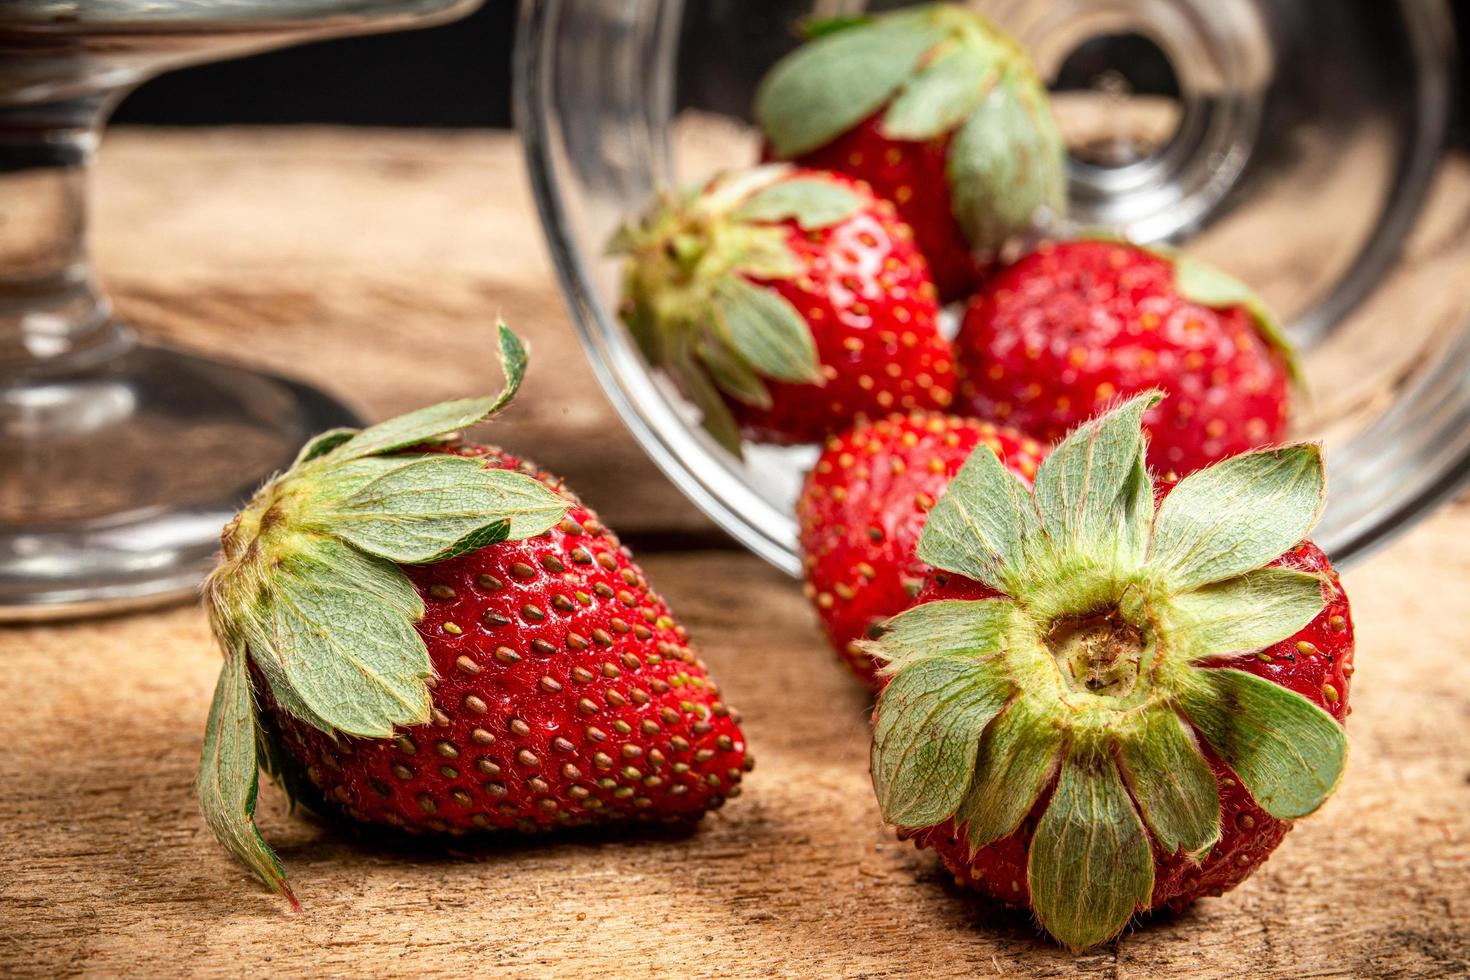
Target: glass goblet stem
52, 315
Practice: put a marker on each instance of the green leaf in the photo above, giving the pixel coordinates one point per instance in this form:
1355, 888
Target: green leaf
761, 252
1287, 751
716, 416
1172, 783
767, 331
1202, 283
1017, 760
984, 524
334, 565
811, 201
639, 318
1093, 489
443, 419
942, 95
1090, 867
431, 508
930, 717
1236, 516
947, 628
732, 375
832, 83
322, 444
1006, 163
1206, 285
729, 190
815, 27
332, 636
1242, 614
229, 775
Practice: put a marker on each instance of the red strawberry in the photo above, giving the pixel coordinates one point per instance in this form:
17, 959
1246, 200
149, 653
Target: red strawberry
940, 113
1107, 701
863, 507
1063, 332
785, 303
445, 639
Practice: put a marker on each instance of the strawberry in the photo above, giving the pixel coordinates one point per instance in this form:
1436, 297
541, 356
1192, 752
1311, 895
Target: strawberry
1067, 329
1109, 699
436, 636
785, 303
862, 509
940, 113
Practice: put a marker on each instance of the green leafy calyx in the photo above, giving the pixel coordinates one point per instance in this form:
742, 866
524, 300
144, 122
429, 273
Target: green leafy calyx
692, 296
931, 72
1103, 668
309, 592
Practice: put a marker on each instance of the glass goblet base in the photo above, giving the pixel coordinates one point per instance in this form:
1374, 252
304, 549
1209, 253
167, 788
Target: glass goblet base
117, 476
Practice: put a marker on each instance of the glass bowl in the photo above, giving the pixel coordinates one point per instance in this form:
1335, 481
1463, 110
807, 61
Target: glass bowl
1294, 143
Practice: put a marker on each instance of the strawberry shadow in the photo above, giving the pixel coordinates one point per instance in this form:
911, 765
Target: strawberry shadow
324, 845
337, 834
1013, 926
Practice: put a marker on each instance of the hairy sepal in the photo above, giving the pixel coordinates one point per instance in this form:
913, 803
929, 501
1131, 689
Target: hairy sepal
835, 81
813, 203
432, 508
323, 444
1287, 751
1017, 760
1093, 491
766, 331
698, 293
715, 415
951, 628
1172, 784
229, 779
1006, 165
309, 589
440, 420
930, 718
940, 69
985, 526
1242, 614
732, 375
1090, 867
1236, 516
941, 95
339, 642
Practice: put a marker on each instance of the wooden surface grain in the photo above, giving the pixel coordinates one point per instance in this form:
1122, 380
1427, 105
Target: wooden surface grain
342, 258
235, 243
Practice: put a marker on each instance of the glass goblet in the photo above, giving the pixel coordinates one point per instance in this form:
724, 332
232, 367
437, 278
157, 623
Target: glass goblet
120, 460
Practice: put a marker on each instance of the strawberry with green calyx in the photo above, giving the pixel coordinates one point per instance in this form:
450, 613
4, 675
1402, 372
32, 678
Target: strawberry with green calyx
1104, 704
1055, 337
940, 113
785, 303
430, 635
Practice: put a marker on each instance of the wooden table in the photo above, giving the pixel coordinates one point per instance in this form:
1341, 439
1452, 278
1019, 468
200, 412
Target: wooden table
370, 264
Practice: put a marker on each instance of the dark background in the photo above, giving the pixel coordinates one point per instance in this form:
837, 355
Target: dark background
458, 75
455, 75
